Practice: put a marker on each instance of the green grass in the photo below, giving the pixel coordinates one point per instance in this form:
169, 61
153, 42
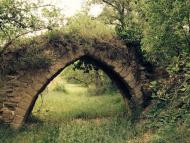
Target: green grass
76, 117
76, 104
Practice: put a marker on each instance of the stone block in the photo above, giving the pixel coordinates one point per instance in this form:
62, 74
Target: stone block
70, 56
20, 112
15, 83
126, 71
133, 83
1, 105
10, 105
18, 120
7, 115
14, 99
129, 77
108, 61
16, 126
24, 104
97, 54
2, 98
30, 90
115, 64
91, 51
118, 69
138, 93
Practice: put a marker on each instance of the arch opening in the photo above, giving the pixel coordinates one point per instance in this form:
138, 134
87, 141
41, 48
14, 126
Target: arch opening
107, 69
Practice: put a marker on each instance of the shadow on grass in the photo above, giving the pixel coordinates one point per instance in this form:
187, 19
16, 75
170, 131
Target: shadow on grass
87, 116
7, 133
34, 120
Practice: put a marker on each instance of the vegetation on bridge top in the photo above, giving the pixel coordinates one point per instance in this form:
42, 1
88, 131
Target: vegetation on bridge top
31, 52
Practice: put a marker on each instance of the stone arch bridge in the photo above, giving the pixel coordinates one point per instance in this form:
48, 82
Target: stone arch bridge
28, 66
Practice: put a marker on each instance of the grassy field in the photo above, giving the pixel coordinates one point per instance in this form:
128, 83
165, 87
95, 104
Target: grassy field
76, 117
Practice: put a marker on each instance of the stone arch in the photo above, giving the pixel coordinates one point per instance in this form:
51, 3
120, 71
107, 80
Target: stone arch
21, 90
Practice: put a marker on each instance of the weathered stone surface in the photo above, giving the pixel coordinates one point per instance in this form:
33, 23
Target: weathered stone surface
126, 71
129, 77
10, 105
108, 62
18, 120
119, 68
30, 90
24, 103
7, 115
1, 104
19, 92
2, 98
20, 111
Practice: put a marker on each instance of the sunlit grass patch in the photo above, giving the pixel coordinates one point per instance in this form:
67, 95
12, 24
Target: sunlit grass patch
77, 104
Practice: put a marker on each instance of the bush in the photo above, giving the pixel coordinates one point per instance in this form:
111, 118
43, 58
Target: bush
30, 58
60, 88
87, 27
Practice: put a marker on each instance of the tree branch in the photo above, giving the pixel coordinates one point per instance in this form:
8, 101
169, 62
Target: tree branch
86, 83
16, 37
109, 3
47, 5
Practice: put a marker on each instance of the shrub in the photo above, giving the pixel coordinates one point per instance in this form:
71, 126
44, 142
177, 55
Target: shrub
87, 27
25, 59
60, 88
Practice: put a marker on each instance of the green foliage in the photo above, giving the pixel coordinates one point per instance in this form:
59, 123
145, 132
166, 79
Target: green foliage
60, 88
54, 17
87, 27
177, 87
26, 59
22, 18
166, 29
121, 14
171, 97
96, 80
14, 15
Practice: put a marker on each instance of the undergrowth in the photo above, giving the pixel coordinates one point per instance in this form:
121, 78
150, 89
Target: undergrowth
76, 117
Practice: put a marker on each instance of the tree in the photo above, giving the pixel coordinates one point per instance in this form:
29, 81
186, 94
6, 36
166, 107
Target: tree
95, 79
19, 18
15, 16
88, 27
166, 31
122, 14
